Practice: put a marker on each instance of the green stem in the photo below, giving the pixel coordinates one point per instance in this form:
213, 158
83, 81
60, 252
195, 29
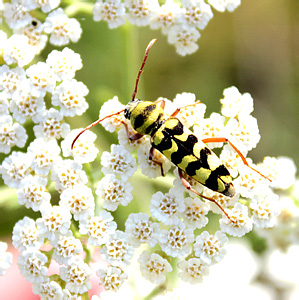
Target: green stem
130, 61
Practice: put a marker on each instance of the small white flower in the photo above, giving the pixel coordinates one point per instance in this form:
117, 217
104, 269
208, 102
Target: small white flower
244, 133
190, 112
176, 241
281, 170
141, 230
249, 182
67, 174
196, 13
242, 223
112, 278
265, 209
234, 104
70, 96
51, 126
33, 193
31, 263
43, 79
11, 79
24, 105
79, 200
166, 16
194, 215
117, 251
62, 28
222, 5
67, 247
193, 270
140, 12
16, 14
108, 108
111, 11
64, 63
76, 276
48, 290
211, 127
44, 154
34, 32
114, 192
99, 228
151, 168
18, 50
25, 234
119, 162
166, 207
15, 168
55, 221
154, 267
11, 134
84, 150
5, 258
210, 247
184, 38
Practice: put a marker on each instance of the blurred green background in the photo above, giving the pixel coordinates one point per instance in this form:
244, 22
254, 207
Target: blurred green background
255, 48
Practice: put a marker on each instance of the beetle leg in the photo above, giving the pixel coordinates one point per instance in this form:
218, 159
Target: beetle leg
151, 157
178, 109
133, 137
225, 140
189, 188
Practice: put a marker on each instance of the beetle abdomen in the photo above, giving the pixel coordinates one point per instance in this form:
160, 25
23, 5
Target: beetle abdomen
192, 156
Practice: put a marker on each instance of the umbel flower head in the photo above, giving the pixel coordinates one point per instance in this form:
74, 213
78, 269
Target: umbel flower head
78, 207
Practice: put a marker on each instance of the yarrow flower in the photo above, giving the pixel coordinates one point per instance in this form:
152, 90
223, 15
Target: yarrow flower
26, 235
193, 270
43, 94
98, 228
114, 192
112, 278
153, 267
210, 248
76, 276
118, 251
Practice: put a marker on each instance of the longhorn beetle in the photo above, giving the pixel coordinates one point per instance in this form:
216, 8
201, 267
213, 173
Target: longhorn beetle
177, 143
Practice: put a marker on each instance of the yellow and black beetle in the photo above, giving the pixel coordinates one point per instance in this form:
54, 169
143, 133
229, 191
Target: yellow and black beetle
168, 135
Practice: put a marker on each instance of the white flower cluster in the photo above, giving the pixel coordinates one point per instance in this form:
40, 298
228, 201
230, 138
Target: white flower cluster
174, 217
179, 20
74, 228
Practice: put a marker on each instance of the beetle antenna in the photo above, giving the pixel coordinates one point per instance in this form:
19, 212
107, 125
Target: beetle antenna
149, 46
92, 125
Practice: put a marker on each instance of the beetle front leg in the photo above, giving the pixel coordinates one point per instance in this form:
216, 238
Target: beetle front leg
151, 158
133, 137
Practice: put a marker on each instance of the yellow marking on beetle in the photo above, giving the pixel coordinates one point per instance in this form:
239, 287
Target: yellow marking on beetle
186, 161
182, 137
174, 148
202, 175
213, 161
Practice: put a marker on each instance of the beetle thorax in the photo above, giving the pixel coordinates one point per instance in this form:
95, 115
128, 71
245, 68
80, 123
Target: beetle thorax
146, 117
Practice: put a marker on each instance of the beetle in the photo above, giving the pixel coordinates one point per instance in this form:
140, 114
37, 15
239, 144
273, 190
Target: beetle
169, 136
